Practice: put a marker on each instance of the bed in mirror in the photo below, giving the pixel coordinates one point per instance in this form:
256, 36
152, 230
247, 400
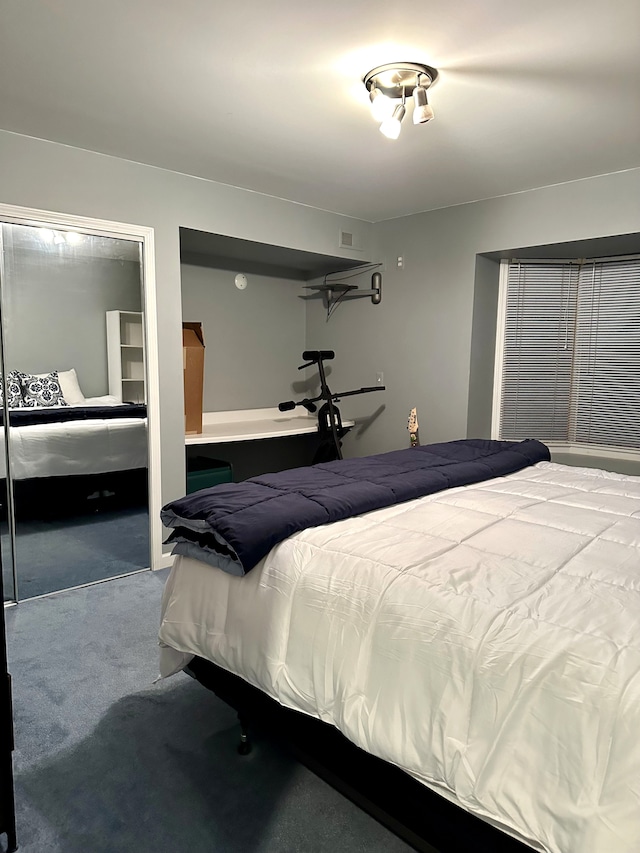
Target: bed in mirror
74, 469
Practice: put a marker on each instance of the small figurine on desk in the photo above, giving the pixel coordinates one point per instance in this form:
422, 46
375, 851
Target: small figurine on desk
413, 428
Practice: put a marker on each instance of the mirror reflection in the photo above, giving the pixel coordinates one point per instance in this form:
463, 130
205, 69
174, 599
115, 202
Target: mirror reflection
74, 471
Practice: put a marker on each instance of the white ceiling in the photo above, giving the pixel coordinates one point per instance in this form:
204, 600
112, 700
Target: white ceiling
269, 96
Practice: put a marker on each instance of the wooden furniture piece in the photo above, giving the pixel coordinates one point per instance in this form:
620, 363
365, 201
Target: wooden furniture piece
125, 356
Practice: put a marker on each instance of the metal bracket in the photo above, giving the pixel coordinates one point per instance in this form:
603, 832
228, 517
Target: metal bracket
335, 292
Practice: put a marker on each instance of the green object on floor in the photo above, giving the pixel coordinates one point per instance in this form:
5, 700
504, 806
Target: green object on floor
202, 473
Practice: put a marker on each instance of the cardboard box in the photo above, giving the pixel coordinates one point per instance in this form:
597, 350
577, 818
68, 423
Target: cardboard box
193, 364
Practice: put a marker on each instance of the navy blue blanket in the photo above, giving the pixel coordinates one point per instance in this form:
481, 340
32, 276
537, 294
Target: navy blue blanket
234, 525
64, 414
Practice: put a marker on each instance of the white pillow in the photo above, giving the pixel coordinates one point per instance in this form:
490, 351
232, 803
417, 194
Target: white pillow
70, 388
106, 400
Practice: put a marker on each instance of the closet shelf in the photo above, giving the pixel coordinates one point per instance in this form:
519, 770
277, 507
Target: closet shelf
335, 292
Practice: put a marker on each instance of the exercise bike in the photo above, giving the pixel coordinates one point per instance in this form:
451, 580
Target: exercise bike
330, 428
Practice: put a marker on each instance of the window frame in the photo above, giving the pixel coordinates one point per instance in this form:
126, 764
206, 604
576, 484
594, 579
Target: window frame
570, 448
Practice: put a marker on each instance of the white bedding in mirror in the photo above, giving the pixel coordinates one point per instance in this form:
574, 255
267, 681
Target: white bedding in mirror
76, 447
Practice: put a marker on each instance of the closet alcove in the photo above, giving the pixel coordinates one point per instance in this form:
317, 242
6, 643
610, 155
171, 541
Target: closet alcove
254, 334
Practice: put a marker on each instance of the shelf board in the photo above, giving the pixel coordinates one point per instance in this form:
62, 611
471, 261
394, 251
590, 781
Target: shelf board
325, 288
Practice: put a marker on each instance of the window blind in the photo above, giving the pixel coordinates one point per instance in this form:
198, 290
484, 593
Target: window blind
571, 352
605, 394
538, 350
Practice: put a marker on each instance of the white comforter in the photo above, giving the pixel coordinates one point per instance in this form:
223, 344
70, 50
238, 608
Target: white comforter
76, 447
486, 639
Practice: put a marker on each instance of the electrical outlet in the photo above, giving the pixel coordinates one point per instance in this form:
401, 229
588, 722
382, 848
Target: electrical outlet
379, 378
400, 262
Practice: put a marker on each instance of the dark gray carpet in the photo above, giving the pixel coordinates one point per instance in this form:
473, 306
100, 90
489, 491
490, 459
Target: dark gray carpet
107, 761
67, 551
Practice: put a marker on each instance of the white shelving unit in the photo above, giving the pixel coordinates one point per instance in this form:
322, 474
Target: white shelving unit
125, 355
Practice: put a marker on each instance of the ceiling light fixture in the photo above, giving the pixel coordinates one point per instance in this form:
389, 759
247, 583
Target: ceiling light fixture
390, 127
388, 84
422, 112
381, 106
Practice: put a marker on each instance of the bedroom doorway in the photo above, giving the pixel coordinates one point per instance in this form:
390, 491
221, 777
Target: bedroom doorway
77, 499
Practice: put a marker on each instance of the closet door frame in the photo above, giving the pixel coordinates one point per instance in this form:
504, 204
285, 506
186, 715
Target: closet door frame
14, 215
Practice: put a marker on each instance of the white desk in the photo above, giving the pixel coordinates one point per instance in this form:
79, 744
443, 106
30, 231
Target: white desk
254, 424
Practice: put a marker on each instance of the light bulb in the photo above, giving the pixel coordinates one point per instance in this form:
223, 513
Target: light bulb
381, 106
390, 127
422, 111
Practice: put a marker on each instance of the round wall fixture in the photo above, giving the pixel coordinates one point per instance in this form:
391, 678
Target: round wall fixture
241, 281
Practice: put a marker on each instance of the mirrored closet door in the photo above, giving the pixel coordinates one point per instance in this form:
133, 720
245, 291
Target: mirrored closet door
74, 499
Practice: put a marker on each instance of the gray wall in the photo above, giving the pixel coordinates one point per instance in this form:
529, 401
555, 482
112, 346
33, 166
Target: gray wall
421, 334
47, 176
253, 337
54, 311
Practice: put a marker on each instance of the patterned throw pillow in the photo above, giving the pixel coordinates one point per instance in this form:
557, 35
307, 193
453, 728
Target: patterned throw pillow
43, 391
14, 391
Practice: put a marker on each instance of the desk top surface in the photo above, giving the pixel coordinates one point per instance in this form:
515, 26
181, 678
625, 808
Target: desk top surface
254, 424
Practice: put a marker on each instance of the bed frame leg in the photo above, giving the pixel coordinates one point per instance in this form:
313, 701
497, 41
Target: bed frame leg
244, 747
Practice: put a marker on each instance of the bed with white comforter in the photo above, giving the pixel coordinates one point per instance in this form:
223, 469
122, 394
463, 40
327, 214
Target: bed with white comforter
53, 432
81, 447
486, 639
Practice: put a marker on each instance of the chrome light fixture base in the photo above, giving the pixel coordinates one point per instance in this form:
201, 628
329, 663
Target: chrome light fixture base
398, 79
